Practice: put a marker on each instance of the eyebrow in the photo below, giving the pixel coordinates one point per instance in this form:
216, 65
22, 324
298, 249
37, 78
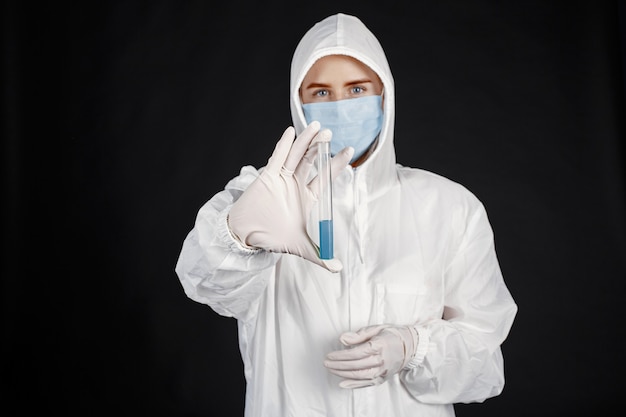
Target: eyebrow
317, 85
362, 81
322, 85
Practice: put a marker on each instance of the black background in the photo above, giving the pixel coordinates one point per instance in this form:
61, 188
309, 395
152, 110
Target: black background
120, 119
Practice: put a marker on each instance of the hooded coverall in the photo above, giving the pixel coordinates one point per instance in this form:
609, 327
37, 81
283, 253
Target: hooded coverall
417, 249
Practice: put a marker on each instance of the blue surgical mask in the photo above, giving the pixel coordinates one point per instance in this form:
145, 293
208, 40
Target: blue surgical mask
354, 122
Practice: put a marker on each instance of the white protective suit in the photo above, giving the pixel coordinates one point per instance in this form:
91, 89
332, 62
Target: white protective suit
417, 249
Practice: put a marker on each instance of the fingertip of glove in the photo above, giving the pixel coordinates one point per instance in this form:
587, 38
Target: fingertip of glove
348, 338
325, 135
345, 384
351, 384
289, 133
333, 265
314, 125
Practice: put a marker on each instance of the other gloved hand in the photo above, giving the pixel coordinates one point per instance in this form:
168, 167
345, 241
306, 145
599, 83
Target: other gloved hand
272, 212
374, 354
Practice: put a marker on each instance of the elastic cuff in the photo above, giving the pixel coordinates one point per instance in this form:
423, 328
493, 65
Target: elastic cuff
228, 237
410, 346
423, 341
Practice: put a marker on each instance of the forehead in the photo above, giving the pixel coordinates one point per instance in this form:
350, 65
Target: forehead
339, 67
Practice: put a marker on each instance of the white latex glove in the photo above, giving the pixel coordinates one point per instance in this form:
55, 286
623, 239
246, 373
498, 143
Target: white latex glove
374, 354
272, 212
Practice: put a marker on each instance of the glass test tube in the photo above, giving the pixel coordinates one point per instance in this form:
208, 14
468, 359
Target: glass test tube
325, 201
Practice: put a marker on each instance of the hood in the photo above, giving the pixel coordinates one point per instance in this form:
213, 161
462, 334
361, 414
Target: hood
342, 34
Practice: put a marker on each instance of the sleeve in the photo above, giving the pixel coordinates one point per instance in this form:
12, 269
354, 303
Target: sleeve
459, 358
213, 267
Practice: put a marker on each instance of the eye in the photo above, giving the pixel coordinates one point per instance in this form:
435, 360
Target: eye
357, 89
321, 93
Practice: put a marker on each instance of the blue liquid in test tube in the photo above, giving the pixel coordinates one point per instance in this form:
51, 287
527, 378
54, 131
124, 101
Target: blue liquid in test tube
325, 201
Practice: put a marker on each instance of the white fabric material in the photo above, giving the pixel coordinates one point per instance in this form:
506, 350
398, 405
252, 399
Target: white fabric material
417, 249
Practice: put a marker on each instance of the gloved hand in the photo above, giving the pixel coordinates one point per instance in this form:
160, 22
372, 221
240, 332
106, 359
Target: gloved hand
374, 354
272, 212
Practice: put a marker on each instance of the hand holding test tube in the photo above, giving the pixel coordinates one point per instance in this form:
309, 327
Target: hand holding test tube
272, 212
